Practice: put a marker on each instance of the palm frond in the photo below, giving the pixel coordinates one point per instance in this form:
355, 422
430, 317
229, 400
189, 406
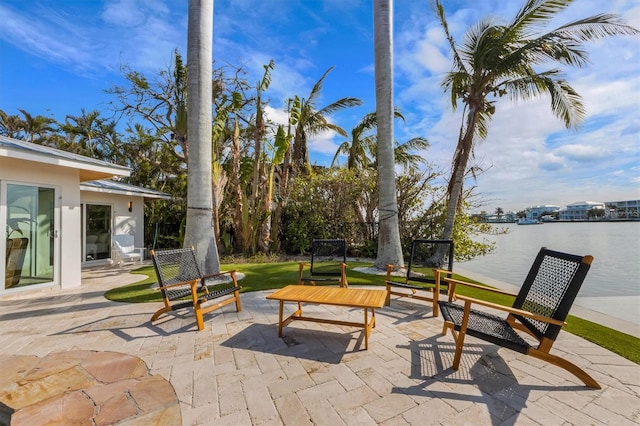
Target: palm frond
538, 13
458, 64
459, 84
566, 103
595, 27
338, 105
342, 149
317, 88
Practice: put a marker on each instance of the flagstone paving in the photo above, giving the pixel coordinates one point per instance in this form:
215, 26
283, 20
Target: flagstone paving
238, 372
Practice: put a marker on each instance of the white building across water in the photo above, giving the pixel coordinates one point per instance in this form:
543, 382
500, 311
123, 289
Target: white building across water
582, 210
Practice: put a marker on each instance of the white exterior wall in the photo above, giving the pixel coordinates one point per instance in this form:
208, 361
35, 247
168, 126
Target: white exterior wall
67, 184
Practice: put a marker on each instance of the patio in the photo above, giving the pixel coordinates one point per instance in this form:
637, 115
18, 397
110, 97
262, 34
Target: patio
238, 372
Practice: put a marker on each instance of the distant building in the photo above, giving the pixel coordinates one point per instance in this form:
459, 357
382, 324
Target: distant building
536, 212
582, 210
622, 209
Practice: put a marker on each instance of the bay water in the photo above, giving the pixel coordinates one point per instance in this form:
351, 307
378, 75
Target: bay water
612, 285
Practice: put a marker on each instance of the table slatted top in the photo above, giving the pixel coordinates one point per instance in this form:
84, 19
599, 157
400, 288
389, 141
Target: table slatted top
339, 296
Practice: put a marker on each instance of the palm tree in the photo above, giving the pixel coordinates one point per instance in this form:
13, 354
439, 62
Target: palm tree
10, 125
86, 126
199, 232
498, 60
389, 246
311, 122
362, 149
358, 149
36, 127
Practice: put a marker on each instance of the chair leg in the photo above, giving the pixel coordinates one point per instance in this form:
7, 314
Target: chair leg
160, 312
236, 295
567, 365
436, 306
387, 300
199, 318
445, 327
459, 339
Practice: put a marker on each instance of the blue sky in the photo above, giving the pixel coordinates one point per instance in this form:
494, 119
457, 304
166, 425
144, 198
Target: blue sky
57, 57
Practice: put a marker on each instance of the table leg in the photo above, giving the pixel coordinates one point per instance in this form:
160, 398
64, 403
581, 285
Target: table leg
366, 330
280, 318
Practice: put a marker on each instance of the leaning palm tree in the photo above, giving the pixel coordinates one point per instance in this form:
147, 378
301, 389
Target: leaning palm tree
199, 232
312, 121
498, 60
389, 246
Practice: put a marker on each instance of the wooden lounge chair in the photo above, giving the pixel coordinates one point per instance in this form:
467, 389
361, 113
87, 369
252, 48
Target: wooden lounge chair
430, 262
540, 310
328, 263
184, 286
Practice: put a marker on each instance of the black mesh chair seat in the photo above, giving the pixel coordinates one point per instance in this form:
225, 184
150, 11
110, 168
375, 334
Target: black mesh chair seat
328, 263
485, 326
539, 309
183, 285
430, 261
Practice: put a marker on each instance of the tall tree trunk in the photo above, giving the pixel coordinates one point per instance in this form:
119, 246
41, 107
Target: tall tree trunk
199, 232
389, 246
463, 151
219, 182
238, 209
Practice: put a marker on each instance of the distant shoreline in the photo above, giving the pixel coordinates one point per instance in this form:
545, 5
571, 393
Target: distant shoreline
572, 221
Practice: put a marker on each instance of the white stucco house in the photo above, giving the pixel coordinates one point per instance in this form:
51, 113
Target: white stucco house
60, 212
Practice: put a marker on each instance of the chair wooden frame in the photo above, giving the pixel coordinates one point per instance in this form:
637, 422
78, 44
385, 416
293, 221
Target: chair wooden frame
463, 319
320, 250
417, 284
184, 286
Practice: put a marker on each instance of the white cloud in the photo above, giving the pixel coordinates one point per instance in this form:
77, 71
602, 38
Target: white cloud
33, 34
123, 13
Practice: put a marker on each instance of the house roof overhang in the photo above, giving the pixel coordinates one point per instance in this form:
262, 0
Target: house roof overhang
88, 168
120, 188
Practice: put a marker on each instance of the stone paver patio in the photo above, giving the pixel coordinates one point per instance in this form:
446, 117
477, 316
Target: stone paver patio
238, 372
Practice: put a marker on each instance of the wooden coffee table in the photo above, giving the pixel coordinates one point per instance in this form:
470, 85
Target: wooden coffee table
337, 296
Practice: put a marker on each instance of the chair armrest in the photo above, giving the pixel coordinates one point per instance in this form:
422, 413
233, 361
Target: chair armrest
301, 266
390, 269
178, 284
511, 310
453, 283
231, 273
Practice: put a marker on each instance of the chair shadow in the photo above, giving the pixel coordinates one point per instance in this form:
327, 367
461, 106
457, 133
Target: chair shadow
130, 327
306, 343
481, 367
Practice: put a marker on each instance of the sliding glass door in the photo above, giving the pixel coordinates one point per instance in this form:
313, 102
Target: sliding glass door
29, 214
97, 232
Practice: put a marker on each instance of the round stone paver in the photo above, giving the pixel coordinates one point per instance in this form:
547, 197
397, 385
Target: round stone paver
84, 387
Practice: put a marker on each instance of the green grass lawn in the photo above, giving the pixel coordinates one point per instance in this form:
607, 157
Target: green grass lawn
269, 276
